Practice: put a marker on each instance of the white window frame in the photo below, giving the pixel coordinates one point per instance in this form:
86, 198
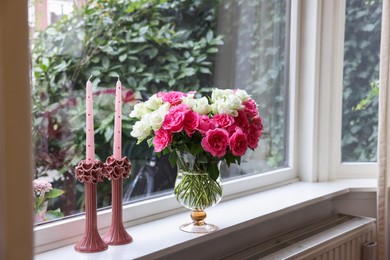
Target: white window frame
69, 230
315, 135
330, 165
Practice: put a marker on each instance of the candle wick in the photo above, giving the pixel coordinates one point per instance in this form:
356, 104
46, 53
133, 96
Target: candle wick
90, 77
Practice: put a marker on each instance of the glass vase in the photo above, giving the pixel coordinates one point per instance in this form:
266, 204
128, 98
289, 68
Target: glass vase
197, 191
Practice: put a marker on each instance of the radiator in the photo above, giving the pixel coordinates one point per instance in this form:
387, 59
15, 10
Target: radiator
340, 237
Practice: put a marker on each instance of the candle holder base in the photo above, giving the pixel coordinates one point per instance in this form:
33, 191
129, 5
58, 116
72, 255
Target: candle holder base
117, 236
116, 171
91, 243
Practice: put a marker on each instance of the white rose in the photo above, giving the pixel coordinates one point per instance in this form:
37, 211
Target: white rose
153, 103
141, 130
156, 118
234, 102
243, 95
221, 107
202, 106
220, 94
189, 101
228, 105
139, 110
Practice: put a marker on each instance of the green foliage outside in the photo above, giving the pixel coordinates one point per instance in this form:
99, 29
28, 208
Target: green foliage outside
361, 71
153, 45
156, 45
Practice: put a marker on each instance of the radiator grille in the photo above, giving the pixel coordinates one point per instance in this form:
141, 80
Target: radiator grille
338, 237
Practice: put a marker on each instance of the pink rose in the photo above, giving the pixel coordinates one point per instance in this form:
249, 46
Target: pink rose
238, 142
257, 122
250, 108
216, 142
174, 120
253, 136
161, 139
191, 122
223, 120
173, 97
205, 124
241, 119
232, 129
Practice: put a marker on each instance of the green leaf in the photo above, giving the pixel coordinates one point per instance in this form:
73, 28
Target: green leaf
205, 70
196, 149
122, 57
171, 82
53, 193
95, 72
173, 158
209, 35
95, 59
53, 214
213, 171
152, 53
106, 62
150, 141
61, 67
143, 30
230, 158
42, 208
171, 58
39, 201
108, 134
212, 50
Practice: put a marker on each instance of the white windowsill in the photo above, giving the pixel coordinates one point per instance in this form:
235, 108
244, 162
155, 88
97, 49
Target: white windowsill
162, 236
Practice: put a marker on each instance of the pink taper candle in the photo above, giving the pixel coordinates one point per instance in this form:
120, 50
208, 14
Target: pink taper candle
90, 146
118, 122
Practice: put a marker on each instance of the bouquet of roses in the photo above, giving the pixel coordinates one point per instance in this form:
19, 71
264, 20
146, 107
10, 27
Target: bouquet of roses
213, 129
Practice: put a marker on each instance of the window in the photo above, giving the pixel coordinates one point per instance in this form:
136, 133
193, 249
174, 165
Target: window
154, 46
361, 73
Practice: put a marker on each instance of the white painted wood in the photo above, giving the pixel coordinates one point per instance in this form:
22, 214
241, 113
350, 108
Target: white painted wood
309, 40
163, 236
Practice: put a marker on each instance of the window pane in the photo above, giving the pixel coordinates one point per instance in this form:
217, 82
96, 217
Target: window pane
154, 46
361, 73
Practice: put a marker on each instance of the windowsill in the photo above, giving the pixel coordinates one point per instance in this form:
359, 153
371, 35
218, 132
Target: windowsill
160, 237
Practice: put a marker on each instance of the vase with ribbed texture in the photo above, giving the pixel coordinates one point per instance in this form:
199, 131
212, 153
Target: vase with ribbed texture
116, 171
90, 174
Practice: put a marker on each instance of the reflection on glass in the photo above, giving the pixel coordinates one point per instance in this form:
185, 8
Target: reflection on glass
154, 46
361, 72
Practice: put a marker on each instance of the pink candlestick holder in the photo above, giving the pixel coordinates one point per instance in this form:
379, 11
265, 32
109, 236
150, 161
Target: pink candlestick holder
90, 174
117, 170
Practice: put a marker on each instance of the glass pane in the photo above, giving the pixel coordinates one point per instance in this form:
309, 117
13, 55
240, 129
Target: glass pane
254, 57
361, 73
154, 46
